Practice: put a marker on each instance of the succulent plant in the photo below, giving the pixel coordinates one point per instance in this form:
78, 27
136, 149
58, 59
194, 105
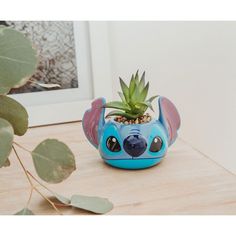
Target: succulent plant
134, 102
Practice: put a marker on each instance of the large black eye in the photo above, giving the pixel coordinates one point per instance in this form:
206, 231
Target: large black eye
156, 144
113, 144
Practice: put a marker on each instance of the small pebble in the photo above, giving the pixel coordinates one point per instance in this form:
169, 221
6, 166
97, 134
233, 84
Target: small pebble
141, 120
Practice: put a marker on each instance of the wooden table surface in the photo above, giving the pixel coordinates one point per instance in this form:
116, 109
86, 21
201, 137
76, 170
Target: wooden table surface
186, 182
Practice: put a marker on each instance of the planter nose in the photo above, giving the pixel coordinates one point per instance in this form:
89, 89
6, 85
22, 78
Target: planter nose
135, 145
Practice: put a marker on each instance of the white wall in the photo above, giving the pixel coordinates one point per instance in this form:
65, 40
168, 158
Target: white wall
193, 64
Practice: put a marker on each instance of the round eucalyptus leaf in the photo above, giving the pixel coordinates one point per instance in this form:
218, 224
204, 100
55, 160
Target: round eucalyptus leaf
25, 211
22, 82
7, 163
18, 59
93, 204
14, 113
6, 139
4, 90
62, 199
53, 161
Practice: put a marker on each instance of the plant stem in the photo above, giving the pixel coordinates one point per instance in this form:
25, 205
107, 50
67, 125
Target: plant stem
49, 201
17, 144
31, 183
49, 190
30, 196
25, 171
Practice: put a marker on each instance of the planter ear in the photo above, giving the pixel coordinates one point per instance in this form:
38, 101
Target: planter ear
169, 117
93, 121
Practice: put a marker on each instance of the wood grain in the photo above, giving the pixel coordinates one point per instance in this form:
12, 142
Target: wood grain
186, 182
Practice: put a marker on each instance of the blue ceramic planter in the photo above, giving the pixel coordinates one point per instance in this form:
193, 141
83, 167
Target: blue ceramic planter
135, 146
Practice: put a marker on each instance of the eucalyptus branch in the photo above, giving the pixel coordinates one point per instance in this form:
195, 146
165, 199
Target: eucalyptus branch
14, 121
20, 146
33, 187
23, 167
49, 190
49, 201
30, 196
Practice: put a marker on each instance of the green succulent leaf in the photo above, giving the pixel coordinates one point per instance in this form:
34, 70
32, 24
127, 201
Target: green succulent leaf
14, 113
142, 82
136, 78
125, 90
6, 140
25, 211
18, 59
135, 96
115, 113
147, 104
117, 105
53, 161
144, 93
122, 97
134, 103
152, 98
96, 205
131, 86
141, 107
132, 115
124, 114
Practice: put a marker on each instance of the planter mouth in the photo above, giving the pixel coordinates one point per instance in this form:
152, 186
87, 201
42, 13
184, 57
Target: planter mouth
112, 120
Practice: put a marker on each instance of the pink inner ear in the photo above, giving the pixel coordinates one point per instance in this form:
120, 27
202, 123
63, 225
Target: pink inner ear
171, 117
91, 121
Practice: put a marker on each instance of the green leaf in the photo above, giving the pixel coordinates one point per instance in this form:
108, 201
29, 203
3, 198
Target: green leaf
125, 90
142, 82
14, 113
18, 59
144, 93
122, 97
93, 204
62, 199
124, 114
152, 98
136, 78
7, 163
135, 96
142, 107
4, 90
131, 86
147, 104
6, 139
25, 211
117, 105
53, 161
22, 82
115, 113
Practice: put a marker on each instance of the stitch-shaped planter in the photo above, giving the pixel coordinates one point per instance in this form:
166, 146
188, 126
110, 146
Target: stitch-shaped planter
134, 146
